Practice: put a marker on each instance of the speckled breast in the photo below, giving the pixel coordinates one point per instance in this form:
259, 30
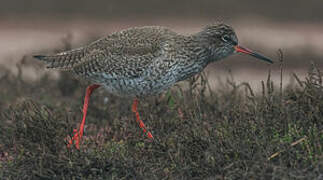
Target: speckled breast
136, 87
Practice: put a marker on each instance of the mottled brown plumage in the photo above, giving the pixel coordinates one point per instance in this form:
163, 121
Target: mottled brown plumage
145, 61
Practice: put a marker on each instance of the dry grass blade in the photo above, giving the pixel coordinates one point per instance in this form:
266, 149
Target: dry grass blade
291, 145
300, 83
281, 61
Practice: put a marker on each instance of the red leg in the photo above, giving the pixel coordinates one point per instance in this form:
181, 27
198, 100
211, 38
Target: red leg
78, 134
141, 123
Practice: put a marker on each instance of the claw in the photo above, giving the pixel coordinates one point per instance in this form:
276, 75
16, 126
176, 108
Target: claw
76, 139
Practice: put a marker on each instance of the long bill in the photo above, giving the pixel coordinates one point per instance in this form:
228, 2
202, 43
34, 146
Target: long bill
251, 53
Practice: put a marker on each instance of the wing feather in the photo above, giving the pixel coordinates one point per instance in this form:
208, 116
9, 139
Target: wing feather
124, 54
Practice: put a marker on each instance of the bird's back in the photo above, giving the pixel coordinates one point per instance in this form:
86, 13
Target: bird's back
134, 47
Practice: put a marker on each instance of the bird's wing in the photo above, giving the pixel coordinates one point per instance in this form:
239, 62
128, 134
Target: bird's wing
64, 60
127, 53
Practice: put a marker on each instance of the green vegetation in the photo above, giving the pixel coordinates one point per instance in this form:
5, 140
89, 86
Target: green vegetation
228, 133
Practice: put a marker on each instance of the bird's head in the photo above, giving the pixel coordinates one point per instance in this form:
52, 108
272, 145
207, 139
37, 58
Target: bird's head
222, 41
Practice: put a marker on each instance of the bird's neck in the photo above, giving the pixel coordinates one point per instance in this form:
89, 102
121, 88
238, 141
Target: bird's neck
200, 41
191, 56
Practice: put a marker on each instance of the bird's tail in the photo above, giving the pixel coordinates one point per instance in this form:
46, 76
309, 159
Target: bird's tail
62, 61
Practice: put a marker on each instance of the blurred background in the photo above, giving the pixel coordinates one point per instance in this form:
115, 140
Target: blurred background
295, 26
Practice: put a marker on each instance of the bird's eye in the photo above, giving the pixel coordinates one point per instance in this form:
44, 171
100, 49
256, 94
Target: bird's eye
226, 38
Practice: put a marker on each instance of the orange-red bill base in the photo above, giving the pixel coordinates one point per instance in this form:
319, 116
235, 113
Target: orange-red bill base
240, 49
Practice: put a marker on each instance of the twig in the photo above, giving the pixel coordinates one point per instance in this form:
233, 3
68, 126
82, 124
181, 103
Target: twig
292, 145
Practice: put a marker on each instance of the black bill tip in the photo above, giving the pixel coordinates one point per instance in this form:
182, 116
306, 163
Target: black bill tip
251, 53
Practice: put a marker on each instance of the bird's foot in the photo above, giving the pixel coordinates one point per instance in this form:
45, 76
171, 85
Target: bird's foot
76, 139
150, 136
143, 127
78, 134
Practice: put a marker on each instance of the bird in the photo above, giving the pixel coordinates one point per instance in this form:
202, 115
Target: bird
145, 61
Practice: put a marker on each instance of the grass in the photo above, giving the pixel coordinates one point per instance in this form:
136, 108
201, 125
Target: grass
228, 133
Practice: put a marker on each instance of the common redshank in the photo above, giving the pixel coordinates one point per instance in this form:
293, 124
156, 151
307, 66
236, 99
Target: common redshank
144, 61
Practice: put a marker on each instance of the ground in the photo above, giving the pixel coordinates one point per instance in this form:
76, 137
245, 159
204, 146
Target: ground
230, 132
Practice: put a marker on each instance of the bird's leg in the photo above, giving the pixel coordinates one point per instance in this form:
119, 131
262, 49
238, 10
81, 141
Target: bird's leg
78, 134
141, 123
